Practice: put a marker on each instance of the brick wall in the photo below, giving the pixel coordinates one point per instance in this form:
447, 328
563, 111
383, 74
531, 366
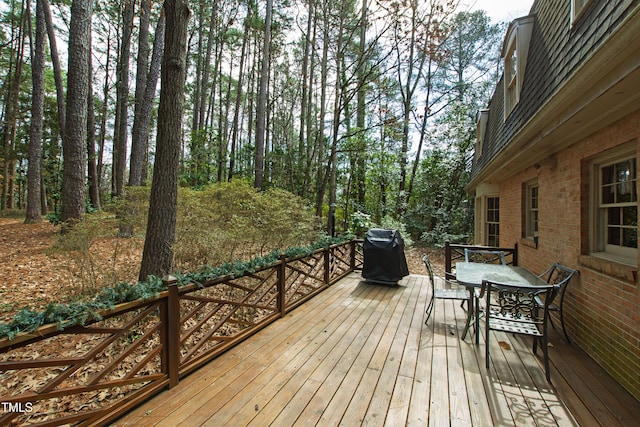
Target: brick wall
602, 306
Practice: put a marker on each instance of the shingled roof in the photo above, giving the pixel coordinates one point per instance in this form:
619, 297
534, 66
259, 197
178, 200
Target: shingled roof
557, 51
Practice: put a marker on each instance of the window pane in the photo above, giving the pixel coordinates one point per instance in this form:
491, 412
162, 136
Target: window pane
630, 216
607, 175
630, 238
613, 217
608, 195
613, 236
624, 193
623, 171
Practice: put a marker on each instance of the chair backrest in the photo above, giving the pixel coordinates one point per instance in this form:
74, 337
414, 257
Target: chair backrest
518, 303
427, 264
484, 256
559, 276
454, 252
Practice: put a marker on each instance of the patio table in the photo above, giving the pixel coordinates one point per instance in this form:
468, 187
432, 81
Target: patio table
471, 275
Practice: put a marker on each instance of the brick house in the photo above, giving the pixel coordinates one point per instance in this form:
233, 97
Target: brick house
555, 167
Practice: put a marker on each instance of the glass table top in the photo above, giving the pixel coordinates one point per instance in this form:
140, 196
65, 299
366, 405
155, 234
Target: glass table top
473, 273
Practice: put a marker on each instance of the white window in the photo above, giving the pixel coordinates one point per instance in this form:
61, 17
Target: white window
512, 92
531, 210
577, 8
514, 53
481, 130
614, 218
493, 221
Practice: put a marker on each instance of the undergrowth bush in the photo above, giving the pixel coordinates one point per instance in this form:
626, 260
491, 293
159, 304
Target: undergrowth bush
215, 225
233, 220
92, 269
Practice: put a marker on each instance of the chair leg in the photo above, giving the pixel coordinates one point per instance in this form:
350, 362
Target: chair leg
429, 310
477, 324
545, 351
552, 324
563, 327
486, 344
467, 325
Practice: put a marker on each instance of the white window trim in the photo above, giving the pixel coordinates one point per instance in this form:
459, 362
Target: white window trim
529, 232
481, 130
517, 39
483, 191
487, 223
597, 246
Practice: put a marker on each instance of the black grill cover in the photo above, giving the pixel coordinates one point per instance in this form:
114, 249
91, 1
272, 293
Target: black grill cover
384, 260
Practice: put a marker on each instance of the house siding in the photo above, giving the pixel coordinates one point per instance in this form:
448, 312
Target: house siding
557, 50
602, 306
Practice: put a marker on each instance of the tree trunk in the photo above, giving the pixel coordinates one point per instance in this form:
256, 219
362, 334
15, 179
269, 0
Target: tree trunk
359, 161
319, 137
138, 143
34, 176
157, 257
75, 135
120, 128
57, 68
103, 112
304, 98
14, 77
236, 112
147, 103
262, 100
92, 167
337, 111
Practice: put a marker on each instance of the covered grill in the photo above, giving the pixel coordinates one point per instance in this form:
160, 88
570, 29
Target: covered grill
384, 260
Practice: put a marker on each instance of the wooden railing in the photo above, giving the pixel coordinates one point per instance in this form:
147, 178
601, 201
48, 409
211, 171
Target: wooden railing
92, 374
454, 253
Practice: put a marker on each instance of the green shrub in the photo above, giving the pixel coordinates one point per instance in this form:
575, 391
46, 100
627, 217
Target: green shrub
233, 220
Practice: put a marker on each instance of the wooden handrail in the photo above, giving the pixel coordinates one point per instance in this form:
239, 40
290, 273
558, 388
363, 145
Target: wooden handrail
169, 336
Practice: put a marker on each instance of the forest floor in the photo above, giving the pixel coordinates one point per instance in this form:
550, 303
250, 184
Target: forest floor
33, 274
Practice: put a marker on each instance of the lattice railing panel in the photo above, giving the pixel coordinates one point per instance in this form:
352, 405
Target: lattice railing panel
303, 277
80, 373
339, 261
210, 317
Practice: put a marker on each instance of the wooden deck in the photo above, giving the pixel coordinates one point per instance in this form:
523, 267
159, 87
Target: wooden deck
360, 354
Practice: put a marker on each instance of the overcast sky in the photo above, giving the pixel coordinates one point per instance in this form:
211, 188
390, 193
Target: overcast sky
501, 10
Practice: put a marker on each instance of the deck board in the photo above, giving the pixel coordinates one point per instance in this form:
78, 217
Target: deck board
361, 354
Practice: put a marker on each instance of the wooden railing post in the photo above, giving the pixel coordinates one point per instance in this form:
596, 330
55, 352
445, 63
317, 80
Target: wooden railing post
352, 259
282, 272
327, 265
172, 326
447, 260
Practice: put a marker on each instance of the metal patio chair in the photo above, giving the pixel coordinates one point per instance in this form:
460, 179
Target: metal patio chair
449, 293
485, 256
515, 309
559, 276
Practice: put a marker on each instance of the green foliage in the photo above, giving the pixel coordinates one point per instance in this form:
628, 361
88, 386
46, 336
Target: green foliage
131, 209
360, 222
233, 220
391, 223
219, 224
